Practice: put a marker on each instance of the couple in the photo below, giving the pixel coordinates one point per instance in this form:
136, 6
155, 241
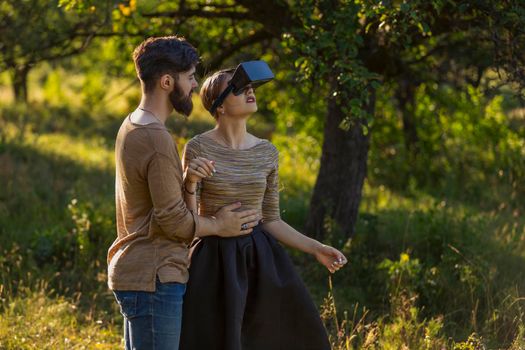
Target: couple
242, 291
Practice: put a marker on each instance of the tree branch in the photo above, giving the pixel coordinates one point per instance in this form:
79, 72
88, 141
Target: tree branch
226, 52
244, 15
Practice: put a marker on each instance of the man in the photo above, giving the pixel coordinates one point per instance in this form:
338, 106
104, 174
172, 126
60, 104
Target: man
147, 263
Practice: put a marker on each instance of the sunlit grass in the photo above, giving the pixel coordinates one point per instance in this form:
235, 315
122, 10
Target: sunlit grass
381, 197
89, 153
414, 223
298, 167
35, 320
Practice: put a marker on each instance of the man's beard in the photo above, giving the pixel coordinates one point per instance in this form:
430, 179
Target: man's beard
181, 103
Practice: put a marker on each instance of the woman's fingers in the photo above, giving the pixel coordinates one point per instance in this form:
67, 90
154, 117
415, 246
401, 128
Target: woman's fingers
333, 267
197, 172
202, 165
207, 165
339, 257
334, 259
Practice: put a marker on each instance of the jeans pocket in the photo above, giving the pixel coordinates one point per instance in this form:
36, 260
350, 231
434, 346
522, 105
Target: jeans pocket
127, 301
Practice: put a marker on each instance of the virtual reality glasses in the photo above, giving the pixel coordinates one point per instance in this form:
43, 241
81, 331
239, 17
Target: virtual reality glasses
247, 74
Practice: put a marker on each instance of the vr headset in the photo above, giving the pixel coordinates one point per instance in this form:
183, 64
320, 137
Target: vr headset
254, 73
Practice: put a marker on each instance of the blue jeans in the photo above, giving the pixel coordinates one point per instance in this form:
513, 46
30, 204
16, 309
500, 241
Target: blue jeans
152, 320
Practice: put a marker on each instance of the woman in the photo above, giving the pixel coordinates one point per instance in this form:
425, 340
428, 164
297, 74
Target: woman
243, 292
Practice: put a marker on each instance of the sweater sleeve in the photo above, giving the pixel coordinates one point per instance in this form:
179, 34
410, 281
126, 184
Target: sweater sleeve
191, 151
164, 174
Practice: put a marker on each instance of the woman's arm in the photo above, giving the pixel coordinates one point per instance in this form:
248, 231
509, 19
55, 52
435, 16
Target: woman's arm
195, 169
287, 235
330, 257
190, 195
326, 255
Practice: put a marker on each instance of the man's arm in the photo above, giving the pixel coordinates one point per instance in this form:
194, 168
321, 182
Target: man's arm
227, 222
169, 208
177, 220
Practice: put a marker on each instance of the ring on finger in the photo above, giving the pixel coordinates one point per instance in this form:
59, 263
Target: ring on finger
244, 226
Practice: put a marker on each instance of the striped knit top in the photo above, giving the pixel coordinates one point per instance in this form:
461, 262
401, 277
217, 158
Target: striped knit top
249, 176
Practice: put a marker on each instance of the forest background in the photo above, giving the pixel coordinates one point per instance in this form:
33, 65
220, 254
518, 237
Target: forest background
401, 131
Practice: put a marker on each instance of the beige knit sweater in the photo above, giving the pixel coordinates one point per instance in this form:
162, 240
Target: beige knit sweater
154, 226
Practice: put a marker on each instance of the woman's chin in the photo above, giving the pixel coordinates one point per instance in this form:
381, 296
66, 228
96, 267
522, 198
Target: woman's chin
245, 112
250, 109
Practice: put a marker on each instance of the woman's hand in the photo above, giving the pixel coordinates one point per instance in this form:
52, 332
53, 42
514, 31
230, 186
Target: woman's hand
198, 169
330, 257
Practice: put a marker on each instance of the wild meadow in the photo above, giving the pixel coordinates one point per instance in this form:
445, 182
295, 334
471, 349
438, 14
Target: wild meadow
401, 132
436, 262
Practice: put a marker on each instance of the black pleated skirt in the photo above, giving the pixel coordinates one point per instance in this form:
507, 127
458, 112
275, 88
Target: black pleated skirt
244, 294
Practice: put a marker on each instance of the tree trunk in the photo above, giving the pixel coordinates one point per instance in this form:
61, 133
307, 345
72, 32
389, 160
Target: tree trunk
20, 83
337, 193
405, 95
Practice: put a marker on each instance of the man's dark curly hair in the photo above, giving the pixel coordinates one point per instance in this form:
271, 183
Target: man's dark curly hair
155, 57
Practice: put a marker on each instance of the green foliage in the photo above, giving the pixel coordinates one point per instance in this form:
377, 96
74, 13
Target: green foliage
356, 46
437, 258
466, 141
403, 274
404, 329
474, 342
326, 48
455, 270
54, 34
52, 29
422, 266
298, 164
40, 235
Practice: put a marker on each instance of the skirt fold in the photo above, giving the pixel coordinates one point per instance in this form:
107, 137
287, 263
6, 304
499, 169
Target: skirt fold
244, 294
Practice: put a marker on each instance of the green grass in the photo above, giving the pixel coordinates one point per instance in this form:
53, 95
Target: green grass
36, 320
428, 269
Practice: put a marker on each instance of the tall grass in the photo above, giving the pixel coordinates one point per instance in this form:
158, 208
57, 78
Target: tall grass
37, 319
431, 267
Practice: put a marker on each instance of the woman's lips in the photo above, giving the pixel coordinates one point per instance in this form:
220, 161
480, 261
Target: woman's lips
250, 100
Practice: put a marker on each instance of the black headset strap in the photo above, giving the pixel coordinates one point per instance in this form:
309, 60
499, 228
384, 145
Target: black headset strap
221, 98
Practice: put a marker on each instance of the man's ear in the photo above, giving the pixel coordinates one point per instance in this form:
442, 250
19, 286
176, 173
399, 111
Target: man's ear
167, 82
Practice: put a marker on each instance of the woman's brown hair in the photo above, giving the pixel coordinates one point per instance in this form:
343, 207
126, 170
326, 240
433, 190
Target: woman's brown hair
212, 87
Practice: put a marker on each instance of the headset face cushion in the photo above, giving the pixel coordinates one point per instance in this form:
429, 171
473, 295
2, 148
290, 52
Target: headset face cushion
251, 73
254, 73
